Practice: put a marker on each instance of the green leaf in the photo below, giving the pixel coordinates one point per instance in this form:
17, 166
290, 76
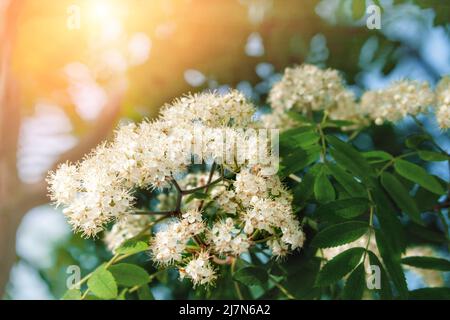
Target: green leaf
122, 295
304, 190
305, 139
426, 234
287, 136
377, 155
345, 208
301, 275
355, 285
432, 156
349, 158
400, 195
197, 195
312, 154
388, 220
298, 160
347, 181
414, 141
72, 294
144, 293
385, 290
102, 284
439, 293
392, 262
418, 175
132, 246
323, 189
339, 266
294, 162
340, 234
129, 275
425, 200
358, 9
337, 123
427, 263
298, 117
251, 276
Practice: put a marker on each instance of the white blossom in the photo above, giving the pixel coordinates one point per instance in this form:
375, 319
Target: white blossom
192, 222
101, 189
94, 195
279, 249
226, 238
199, 270
306, 88
249, 184
402, 98
226, 200
64, 184
210, 109
168, 245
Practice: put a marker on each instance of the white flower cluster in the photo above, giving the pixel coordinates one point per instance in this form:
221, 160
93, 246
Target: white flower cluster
443, 103
402, 98
209, 109
251, 209
307, 88
169, 245
199, 270
227, 239
98, 189
91, 193
254, 204
269, 215
226, 199
250, 184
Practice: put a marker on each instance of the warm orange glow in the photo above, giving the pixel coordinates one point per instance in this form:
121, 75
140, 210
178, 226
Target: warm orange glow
152, 42
101, 9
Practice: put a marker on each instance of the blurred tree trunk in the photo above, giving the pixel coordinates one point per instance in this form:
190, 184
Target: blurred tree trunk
10, 188
16, 197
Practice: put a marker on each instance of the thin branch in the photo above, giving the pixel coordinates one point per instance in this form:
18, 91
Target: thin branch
179, 195
202, 202
10, 116
228, 260
146, 212
175, 183
236, 284
190, 191
282, 289
211, 174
